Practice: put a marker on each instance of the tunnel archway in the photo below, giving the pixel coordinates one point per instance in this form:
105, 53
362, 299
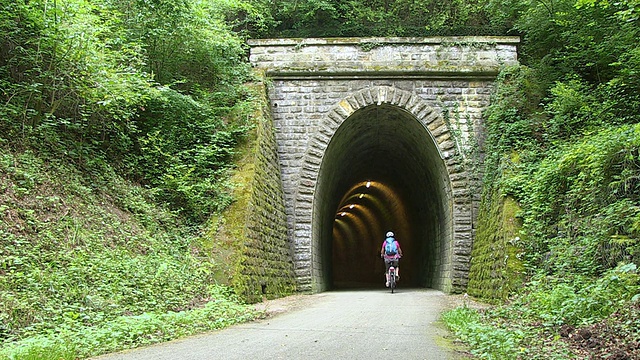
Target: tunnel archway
443, 186
317, 84
382, 170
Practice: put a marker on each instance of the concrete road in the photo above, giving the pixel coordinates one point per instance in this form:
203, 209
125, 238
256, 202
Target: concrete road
367, 324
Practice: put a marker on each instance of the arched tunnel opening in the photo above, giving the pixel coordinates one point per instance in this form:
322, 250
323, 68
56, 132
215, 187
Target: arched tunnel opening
381, 171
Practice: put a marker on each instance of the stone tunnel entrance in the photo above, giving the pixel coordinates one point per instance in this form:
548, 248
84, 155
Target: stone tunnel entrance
370, 136
381, 171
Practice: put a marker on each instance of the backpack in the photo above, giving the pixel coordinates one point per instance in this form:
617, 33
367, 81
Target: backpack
391, 246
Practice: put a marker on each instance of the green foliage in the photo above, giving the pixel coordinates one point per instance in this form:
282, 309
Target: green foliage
572, 110
97, 95
562, 140
186, 43
501, 335
514, 133
330, 18
586, 52
582, 203
582, 301
67, 257
528, 326
67, 76
509, 118
79, 276
570, 35
247, 18
81, 341
184, 150
486, 340
594, 41
576, 108
80, 81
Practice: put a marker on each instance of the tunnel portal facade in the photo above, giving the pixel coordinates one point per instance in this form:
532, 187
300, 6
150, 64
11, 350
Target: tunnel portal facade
373, 135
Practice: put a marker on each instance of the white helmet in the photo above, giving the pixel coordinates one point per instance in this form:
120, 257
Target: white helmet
390, 234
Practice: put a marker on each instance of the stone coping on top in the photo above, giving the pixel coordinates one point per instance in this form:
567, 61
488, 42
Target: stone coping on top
384, 57
384, 40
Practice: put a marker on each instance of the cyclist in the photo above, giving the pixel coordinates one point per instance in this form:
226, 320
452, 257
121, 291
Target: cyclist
391, 253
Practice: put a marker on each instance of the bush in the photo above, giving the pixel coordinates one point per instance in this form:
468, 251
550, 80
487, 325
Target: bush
70, 257
184, 149
580, 301
582, 205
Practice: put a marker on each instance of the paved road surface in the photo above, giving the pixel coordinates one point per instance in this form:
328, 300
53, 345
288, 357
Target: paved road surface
368, 324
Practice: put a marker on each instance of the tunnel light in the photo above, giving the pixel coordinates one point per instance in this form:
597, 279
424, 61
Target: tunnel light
351, 206
361, 196
343, 214
368, 184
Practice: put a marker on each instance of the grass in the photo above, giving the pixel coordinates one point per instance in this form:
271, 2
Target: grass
125, 332
554, 318
91, 264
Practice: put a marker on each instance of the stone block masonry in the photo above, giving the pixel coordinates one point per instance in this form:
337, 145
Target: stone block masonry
295, 132
448, 57
316, 84
263, 259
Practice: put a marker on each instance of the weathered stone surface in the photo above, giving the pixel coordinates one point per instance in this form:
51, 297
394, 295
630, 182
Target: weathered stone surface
264, 264
403, 57
319, 83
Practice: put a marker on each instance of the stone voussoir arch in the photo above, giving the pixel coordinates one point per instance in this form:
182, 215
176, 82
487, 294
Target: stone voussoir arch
433, 122
319, 83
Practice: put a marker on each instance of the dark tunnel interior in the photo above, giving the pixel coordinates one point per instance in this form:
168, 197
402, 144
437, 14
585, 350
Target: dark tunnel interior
381, 171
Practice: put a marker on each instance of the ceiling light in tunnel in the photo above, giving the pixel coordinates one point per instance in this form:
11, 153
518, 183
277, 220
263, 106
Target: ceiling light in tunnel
343, 214
379, 203
351, 206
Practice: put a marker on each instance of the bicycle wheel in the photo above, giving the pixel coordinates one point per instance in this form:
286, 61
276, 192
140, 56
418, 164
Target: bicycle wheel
392, 282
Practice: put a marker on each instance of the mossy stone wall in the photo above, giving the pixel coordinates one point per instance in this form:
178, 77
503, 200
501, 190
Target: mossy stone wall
495, 268
317, 84
253, 231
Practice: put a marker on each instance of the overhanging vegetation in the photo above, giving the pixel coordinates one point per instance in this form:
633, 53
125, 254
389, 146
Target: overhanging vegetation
120, 123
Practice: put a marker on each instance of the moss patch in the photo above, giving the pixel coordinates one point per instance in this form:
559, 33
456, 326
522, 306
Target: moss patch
250, 235
495, 268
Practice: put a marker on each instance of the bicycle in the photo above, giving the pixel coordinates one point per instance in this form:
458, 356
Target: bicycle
391, 275
392, 278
